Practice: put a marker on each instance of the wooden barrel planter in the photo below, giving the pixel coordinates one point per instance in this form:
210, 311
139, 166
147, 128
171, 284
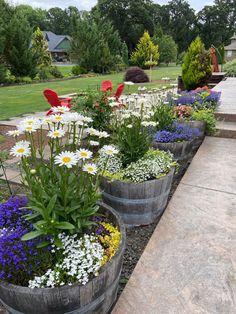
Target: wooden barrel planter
182, 151
138, 203
97, 296
201, 125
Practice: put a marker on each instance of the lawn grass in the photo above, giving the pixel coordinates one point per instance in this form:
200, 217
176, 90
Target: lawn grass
65, 70
17, 100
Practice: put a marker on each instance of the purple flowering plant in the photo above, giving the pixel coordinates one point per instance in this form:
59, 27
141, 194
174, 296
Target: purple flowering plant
18, 259
180, 133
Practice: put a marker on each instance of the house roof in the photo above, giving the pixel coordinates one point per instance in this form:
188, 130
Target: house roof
54, 41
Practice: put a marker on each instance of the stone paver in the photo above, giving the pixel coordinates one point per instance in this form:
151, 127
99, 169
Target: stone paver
189, 263
228, 96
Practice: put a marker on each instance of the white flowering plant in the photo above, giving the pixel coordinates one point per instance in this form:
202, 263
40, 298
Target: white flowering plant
60, 173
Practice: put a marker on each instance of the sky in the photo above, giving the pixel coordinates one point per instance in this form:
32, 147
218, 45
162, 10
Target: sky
88, 4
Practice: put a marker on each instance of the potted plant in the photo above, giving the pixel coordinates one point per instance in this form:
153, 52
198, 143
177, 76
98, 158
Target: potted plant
179, 141
137, 182
62, 251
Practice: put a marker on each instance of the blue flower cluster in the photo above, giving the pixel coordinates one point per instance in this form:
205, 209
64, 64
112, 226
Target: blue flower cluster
16, 256
179, 134
189, 98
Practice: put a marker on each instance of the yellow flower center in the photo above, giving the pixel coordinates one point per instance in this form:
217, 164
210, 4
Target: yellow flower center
56, 133
90, 169
83, 154
58, 118
20, 150
30, 122
29, 128
66, 159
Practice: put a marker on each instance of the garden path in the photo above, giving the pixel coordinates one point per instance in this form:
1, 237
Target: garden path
189, 264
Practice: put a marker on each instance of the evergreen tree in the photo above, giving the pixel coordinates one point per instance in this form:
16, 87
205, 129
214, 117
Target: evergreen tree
145, 50
167, 49
40, 49
196, 68
18, 53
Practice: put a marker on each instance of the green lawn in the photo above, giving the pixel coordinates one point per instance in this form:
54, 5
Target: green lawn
65, 70
17, 100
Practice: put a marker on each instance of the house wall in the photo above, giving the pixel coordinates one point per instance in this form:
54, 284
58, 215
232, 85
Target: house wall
230, 56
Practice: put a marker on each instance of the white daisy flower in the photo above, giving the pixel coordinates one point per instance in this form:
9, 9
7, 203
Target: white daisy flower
14, 133
60, 109
47, 120
92, 131
28, 128
110, 150
67, 159
103, 134
30, 121
128, 83
114, 104
94, 143
56, 133
129, 126
87, 119
72, 117
57, 118
84, 154
21, 149
90, 168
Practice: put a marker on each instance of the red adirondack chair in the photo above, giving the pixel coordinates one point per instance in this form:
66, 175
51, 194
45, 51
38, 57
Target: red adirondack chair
54, 101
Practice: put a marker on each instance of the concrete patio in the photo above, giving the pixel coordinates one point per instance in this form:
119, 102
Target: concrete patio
189, 263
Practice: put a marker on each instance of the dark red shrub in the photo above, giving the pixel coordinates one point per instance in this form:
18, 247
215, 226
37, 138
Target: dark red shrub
136, 75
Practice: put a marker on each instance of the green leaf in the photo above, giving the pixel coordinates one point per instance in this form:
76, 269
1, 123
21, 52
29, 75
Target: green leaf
43, 244
31, 216
52, 203
31, 235
64, 225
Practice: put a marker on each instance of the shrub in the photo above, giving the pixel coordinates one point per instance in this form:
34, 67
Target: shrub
3, 73
196, 68
136, 75
26, 80
208, 116
77, 70
164, 115
144, 50
43, 73
230, 68
54, 71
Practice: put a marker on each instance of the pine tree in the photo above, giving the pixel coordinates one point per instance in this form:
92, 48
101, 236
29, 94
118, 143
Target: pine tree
40, 49
144, 51
18, 53
196, 68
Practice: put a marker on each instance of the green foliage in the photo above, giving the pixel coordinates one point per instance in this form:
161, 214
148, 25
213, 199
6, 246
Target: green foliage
3, 73
40, 49
96, 105
164, 116
95, 44
167, 49
180, 58
145, 50
18, 53
196, 68
55, 72
132, 139
230, 68
125, 53
208, 116
77, 70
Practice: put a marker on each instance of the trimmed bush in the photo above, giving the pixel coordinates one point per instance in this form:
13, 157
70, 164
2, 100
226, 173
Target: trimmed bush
230, 68
136, 75
196, 68
77, 70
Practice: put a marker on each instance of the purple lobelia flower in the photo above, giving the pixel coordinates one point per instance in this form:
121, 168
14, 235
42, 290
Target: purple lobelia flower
179, 134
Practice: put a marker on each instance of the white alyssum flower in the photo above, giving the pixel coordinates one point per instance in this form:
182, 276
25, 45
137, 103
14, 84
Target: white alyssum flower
58, 133
83, 154
21, 149
94, 143
109, 150
90, 168
81, 259
14, 133
67, 159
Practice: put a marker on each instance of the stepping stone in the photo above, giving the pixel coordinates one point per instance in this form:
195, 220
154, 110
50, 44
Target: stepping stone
189, 264
226, 129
